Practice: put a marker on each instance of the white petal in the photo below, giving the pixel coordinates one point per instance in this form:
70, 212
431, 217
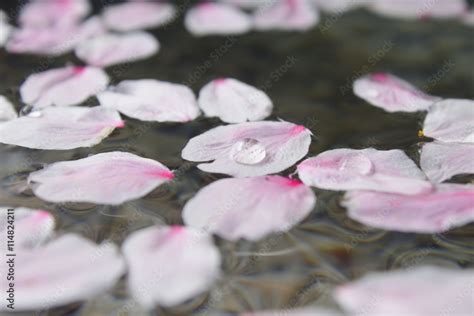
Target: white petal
417, 9
286, 15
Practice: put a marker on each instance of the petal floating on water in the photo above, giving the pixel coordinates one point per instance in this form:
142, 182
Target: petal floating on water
70, 85
286, 15
169, 265
448, 206
60, 128
7, 110
392, 94
108, 178
364, 169
234, 101
283, 144
53, 12
419, 9
152, 100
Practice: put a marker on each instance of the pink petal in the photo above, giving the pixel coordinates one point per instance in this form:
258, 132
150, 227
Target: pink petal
249, 149
152, 100
410, 292
132, 16
450, 205
249, 208
67, 270
108, 178
169, 265
364, 169
441, 161
40, 13
234, 101
286, 15
216, 18
7, 110
339, 6
419, 9
302, 311
451, 120
109, 49
392, 93
60, 128
65, 86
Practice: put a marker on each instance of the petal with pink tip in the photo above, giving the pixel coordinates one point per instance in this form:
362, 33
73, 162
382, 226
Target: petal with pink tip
108, 178
137, 15
162, 262
7, 110
110, 49
216, 18
451, 120
249, 149
152, 100
409, 292
234, 101
66, 270
448, 206
286, 15
65, 86
441, 161
303, 311
60, 128
419, 9
249, 208
392, 93
41, 13
364, 169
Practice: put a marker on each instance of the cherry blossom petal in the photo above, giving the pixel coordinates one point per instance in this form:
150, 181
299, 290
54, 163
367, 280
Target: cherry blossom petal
364, 169
40, 13
169, 265
7, 110
66, 270
5, 28
60, 128
419, 9
249, 208
31, 227
65, 86
108, 178
286, 15
137, 15
451, 120
234, 101
449, 205
339, 6
441, 161
303, 311
152, 100
392, 93
249, 149
109, 49
410, 292
216, 18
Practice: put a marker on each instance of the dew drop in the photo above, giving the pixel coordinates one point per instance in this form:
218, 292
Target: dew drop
357, 163
248, 151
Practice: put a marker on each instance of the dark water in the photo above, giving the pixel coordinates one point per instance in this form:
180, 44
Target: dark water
308, 76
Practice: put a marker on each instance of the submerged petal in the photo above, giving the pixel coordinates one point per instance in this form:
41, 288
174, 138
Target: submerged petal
448, 206
419, 9
169, 265
283, 143
53, 12
107, 178
286, 15
152, 100
234, 101
364, 169
7, 110
249, 208
392, 93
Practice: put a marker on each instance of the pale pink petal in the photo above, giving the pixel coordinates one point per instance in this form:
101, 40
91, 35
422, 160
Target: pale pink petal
286, 15
419, 9
441, 161
66, 270
65, 86
7, 110
109, 49
451, 120
249, 208
152, 100
60, 128
39, 13
302, 311
107, 178
169, 265
249, 149
137, 15
339, 6
392, 93
216, 18
234, 101
418, 291
30, 228
5, 28
448, 206
364, 169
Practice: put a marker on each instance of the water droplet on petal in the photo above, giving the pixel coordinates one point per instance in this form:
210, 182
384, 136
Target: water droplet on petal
25, 110
357, 163
248, 151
